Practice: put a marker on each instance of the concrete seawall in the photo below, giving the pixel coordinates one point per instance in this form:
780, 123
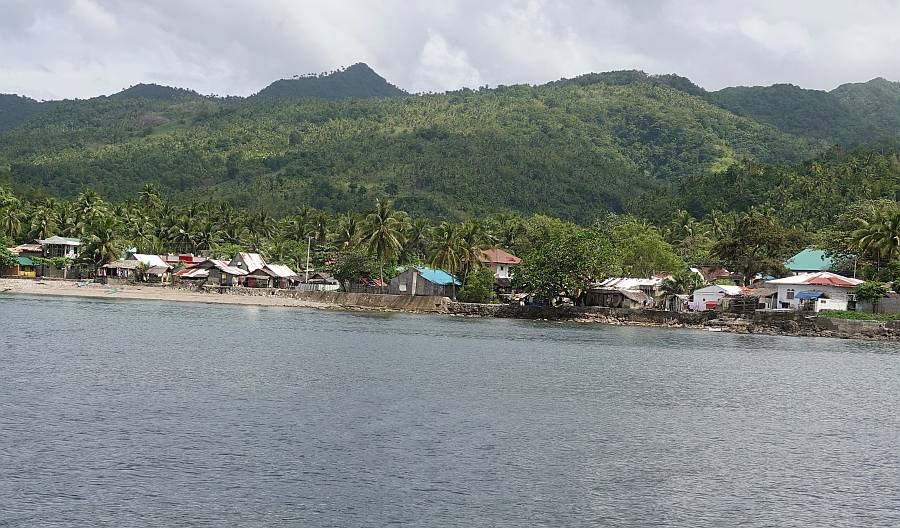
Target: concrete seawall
362, 301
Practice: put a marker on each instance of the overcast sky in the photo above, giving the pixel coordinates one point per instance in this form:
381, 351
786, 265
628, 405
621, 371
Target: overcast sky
52, 49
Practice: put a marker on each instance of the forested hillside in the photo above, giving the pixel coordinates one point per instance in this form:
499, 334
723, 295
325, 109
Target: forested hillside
577, 148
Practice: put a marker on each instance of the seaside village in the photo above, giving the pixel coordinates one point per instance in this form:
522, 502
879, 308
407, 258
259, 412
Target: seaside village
810, 286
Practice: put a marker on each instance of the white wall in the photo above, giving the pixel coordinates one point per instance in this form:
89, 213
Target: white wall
836, 296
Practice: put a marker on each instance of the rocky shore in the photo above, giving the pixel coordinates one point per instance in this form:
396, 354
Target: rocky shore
766, 323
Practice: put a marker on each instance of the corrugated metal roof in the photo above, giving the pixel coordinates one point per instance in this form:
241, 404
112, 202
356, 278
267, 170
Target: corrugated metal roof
821, 278
25, 261
498, 256
809, 260
280, 270
61, 241
630, 283
150, 260
438, 276
226, 268
253, 261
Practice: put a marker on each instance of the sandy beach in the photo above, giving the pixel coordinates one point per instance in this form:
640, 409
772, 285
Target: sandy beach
146, 293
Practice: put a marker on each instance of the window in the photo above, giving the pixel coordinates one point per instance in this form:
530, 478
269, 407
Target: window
790, 293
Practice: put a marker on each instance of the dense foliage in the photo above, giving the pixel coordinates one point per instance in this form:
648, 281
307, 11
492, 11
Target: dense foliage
572, 150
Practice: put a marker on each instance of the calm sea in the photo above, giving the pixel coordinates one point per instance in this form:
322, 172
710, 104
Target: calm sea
126, 413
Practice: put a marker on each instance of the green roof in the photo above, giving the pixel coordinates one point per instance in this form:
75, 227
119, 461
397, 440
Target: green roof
25, 261
809, 260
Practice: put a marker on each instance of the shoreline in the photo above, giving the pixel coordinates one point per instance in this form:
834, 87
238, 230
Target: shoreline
790, 324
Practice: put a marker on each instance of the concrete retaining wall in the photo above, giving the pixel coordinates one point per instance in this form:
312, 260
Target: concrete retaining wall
367, 301
575, 313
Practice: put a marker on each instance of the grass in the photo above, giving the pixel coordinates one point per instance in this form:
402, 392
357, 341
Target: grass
859, 316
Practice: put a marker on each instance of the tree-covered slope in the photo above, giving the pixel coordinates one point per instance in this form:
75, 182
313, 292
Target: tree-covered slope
357, 81
575, 150
15, 109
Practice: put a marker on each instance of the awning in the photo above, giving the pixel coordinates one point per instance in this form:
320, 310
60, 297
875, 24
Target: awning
809, 295
25, 261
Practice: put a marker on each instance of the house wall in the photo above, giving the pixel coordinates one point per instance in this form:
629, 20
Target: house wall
410, 282
836, 296
704, 295
60, 250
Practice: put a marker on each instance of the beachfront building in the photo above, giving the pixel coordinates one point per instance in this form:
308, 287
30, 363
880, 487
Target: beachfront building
809, 261
501, 263
709, 297
214, 272
650, 286
817, 291
248, 262
710, 274
424, 281
57, 246
24, 267
617, 298
282, 276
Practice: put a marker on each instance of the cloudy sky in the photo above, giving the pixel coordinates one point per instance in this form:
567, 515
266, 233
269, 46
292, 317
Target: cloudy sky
80, 48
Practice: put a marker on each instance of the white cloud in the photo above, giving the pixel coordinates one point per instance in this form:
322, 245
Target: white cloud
442, 65
81, 48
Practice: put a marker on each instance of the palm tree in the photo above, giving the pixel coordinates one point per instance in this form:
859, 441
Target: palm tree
384, 235
472, 238
43, 223
349, 230
682, 282
879, 236
418, 236
103, 245
447, 249
149, 197
10, 221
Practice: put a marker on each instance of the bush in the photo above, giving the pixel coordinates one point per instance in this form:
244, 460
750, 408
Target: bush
479, 288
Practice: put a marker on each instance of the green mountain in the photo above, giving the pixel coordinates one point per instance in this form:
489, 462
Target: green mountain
567, 149
576, 148
358, 80
15, 109
851, 114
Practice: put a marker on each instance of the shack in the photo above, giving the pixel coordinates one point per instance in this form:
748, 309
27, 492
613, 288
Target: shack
424, 281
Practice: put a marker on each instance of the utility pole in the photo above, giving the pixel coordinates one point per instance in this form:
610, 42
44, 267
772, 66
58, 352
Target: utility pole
306, 271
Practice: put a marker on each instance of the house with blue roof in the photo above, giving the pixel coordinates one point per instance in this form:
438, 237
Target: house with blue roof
425, 281
809, 261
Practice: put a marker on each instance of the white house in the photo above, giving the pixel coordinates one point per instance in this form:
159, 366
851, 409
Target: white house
815, 291
57, 246
651, 285
500, 261
708, 297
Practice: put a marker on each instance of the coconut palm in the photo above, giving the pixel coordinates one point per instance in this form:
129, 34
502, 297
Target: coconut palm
11, 221
103, 245
447, 249
43, 223
879, 236
472, 238
384, 234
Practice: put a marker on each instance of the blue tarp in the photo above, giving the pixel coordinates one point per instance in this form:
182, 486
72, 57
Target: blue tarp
809, 295
438, 276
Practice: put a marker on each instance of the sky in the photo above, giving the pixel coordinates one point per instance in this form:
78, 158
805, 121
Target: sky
52, 49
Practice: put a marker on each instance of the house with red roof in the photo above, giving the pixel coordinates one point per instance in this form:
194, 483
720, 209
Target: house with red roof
501, 262
815, 291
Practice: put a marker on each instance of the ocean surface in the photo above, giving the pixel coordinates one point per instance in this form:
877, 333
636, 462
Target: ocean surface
130, 413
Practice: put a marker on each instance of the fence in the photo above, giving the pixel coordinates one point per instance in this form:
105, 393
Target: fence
365, 288
304, 286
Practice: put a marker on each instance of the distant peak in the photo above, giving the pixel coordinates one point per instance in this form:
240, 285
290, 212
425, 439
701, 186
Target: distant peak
354, 81
152, 91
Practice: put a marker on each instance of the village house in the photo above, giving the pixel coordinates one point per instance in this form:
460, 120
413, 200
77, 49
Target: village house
617, 298
710, 274
58, 247
814, 292
500, 262
214, 272
118, 271
282, 276
650, 286
424, 281
709, 297
248, 262
24, 267
809, 261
